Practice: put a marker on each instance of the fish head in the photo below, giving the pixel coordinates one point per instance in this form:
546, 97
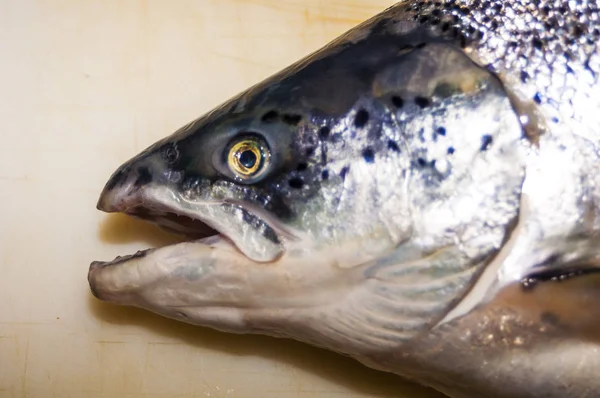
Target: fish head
348, 201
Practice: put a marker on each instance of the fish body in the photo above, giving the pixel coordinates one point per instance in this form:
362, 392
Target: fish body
421, 194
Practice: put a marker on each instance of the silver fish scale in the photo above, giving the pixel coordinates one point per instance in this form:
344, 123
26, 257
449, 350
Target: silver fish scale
529, 44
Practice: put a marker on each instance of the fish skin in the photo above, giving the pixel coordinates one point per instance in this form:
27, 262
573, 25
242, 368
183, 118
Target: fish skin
515, 201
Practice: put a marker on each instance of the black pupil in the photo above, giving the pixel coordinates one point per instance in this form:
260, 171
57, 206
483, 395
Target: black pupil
248, 159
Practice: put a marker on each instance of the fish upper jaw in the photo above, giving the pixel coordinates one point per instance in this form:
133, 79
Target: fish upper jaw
120, 192
141, 190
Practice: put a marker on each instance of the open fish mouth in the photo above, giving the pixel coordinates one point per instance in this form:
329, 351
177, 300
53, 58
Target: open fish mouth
140, 193
190, 228
170, 221
178, 279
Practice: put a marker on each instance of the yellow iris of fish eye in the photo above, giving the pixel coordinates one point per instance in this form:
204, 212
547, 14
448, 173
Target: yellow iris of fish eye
247, 158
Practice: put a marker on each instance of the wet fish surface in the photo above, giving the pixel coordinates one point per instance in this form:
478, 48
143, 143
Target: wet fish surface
422, 194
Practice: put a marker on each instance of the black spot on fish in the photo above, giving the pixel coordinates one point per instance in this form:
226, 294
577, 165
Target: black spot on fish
292, 120
568, 56
323, 154
524, 76
570, 70
310, 151
550, 318
587, 67
545, 10
302, 166
296, 183
393, 146
325, 174
486, 141
144, 176
270, 234
441, 131
270, 117
397, 101
361, 118
537, 43
421, 162
446, 26
344, 172
451, 150
421, 45
369, 155
324, 132
578, 30
422, 102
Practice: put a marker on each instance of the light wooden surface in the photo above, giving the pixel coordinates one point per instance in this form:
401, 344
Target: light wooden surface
84, 86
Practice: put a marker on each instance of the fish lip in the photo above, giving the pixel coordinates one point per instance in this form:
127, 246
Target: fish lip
137, 202
120, 259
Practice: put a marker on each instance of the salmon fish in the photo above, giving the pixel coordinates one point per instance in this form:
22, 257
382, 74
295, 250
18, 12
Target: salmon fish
422, 194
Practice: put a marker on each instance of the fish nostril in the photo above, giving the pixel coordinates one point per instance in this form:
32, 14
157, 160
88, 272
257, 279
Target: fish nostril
144, 176
115, 179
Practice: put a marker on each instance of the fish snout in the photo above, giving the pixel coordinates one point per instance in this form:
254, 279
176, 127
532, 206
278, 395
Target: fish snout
121, 191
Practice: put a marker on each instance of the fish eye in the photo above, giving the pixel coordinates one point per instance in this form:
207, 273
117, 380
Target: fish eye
248, 157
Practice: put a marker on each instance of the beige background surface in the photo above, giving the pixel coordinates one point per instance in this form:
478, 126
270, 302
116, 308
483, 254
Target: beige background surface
84, 86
